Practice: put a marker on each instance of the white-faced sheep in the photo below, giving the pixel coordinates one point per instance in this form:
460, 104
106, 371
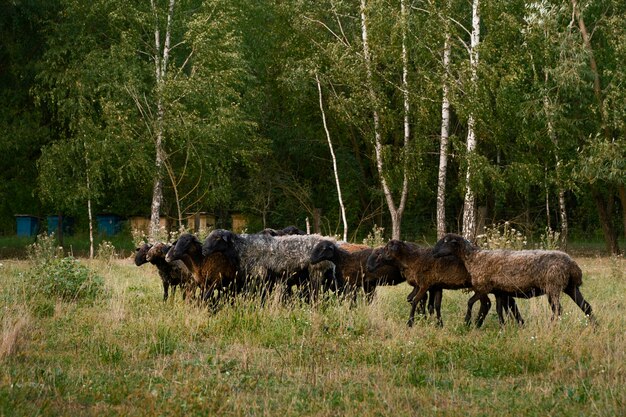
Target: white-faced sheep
265, 260
351, 266
214, 274
524, 273
423, 271
172, 274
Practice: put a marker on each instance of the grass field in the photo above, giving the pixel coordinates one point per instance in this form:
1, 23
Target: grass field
128, 353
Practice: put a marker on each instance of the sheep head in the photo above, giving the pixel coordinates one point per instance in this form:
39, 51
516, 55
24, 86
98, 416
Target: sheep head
323, 251
140, 254
219, 240
374, 261
158, 251
293, 230
390, 254
186, 244
452, 245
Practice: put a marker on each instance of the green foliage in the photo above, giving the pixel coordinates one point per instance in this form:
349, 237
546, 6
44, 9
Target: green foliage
66, 278
53, 275
376, 237
106, 251
44, 249
132, 354
502, 236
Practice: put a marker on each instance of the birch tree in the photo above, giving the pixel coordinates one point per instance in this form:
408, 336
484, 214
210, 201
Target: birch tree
469, 205
161, 54
395, 211
445, 133
332, 154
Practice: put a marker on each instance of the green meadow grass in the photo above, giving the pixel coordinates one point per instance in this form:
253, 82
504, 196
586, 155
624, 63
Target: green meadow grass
129, 353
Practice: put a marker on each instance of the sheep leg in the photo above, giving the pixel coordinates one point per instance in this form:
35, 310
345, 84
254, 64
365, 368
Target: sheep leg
412, 314
166, 287
512, 310
553, 299
574, 293
485, 306
420, 294
369, 291
470, 306
499, 302
433, 296
437, 294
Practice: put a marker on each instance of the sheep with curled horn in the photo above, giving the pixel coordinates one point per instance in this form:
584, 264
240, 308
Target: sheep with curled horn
523, 273
351, 266
424, 272
171, 274
215, 275
265, 260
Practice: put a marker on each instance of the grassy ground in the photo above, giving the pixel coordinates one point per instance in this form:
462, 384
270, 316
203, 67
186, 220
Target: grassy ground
128, 353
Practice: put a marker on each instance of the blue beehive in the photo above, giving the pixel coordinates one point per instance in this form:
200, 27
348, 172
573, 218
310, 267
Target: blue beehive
27, 225
53, 224
109, 224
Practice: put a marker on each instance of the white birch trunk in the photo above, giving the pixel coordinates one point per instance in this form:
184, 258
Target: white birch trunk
332, 154
161, 58
561, 191
90, 215
443, 147
469, 206
396, 213
407, 126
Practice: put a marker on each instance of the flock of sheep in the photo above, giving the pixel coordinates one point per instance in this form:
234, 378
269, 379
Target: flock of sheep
227, 264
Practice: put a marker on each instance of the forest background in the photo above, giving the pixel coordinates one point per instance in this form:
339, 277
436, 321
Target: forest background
440, 115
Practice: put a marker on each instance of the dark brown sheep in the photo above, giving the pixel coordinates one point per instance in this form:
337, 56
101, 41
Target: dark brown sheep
171, 274
351, 267
179, 271
213, 274
423, 271
524, 273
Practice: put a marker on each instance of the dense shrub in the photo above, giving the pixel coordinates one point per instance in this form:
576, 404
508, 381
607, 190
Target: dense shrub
55, 276
66, 278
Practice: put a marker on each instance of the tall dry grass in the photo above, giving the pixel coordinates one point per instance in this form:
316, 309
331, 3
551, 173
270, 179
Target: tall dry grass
130, 353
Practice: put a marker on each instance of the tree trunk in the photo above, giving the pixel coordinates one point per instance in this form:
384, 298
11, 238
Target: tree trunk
396, 213
161, 58
332, 154
443, 147
469, 206
604, 208
622, 198
555, 142
563, 214
90, 215
605, 211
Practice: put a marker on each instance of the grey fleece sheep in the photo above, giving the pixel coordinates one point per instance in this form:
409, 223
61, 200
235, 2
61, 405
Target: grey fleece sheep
351, 266
171, 274
524, 273
214, 274
266, 260
423, 272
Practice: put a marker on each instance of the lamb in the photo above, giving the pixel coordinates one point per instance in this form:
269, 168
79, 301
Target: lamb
213, 274
156, 255
350, 265
172, 274
423, 271
524, 273
267, 260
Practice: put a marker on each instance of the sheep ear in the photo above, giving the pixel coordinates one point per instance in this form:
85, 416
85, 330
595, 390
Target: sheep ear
226, 237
